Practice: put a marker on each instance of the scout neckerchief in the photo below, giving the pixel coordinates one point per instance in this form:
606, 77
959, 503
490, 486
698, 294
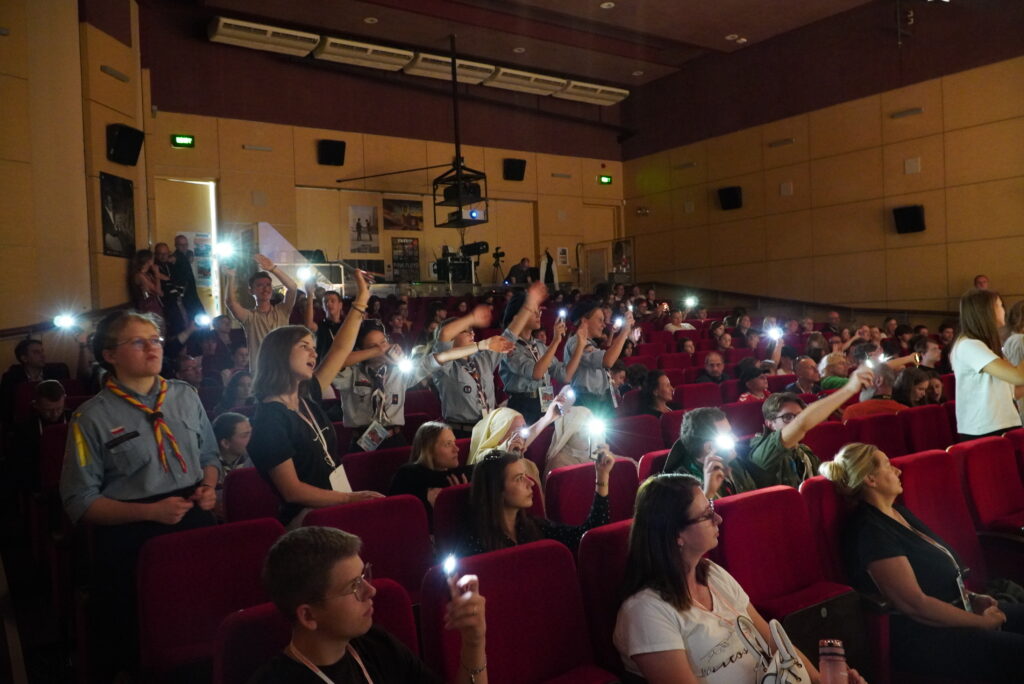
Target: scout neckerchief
161, 430
470, 364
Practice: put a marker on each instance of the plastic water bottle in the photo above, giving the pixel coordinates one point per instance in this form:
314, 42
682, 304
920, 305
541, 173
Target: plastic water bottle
832, 662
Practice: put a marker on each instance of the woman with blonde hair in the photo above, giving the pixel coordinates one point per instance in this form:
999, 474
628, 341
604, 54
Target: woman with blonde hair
940, 628
834, 370
433, 465
986, 382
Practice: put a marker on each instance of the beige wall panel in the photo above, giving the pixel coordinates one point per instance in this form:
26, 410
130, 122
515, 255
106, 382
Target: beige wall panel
692, 248
694, 277
599, 223
848, 228
16, 219
382, 154
658, 215
934, 202
18, 272
205, 155
847, 177
690, 206
550, 171
926, 95
988, 152
795, 127
998, 259
735, 154
739, 242
558, 215
71, 291
100, 49
790, 279
179, 207
688, 164
985, 210
513, 224
652, 254
251, 197
590, 169
97, 118
932, 304
278, 158
788, 236
14, 119
753, 198
929, 151
799, 176
504, 194
850, 277
493, 163
915, 272
748, 278
846, 127
308, 172
110, 287
989, 93
646, 175
14, 46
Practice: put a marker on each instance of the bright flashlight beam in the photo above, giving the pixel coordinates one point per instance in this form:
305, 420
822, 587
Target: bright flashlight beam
775, 333
223, 250
690, 302
305, 273
562, 313
65, 321
725, 442
596, 427
405, 366
203, 320
450, 563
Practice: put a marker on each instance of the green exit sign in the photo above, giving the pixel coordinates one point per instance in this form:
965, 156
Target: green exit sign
178, 140
604, 180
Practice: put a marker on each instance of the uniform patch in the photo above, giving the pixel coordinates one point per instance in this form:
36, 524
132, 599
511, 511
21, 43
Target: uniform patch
394, 400
119, 430
466, 389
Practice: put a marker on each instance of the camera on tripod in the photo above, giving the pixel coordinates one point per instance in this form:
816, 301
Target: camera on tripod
498, 254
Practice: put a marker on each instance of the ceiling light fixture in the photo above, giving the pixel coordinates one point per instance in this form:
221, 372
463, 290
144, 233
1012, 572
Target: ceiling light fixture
741, 41
732, 36
370, 20
607, 5
519, 50
638, 72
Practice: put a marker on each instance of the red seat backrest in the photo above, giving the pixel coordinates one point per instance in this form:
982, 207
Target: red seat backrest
451, 511
691, 374
630, 405
676, 376
601, 564
344, 436
535, 588
395, 534
52, 443
827, 512
679, 360
652, 349
649, 362
731, 391
652, 463
777, 383
538, 449
188, 582
827, 438
670, 423
926, 427
697, 395
374, 470
634, 436
883, 430
663, 338
701, 354
423, 401
248, 496
1016, 438
735, 355
993, 482
463, 445
948, 386
950, 407
569, 492
744, 417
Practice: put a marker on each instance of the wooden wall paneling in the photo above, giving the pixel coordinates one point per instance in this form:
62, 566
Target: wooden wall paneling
783, 152
688, 165
999, 259
690, 206
692, 247
97, 117
738, 242
735, 154
985, 94
254, 197
753, 198
847, 177
383, 154
695, 277
930, 157
915, 272
934, 203
788, 236
318, 220
845, 278
18, 270
14, 46
797, 181
204, 157
651, 252
988, 152
647, 175
493, 166
747, 278
101, 50
591, 169
790, 278
16, 219
600, 222
270, 147
309, 173
985, 210
559, 175
14, 119
846, 127
926, 96
848, 228
655, 214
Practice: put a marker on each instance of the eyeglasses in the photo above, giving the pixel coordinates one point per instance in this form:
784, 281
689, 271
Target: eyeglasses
786, 418
361, 586
140, 343
709, 514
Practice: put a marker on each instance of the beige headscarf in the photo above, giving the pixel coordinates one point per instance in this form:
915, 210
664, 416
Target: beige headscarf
490, 432
570, 445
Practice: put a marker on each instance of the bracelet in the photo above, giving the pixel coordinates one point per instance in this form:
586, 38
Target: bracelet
473, 673
598, 483
356, 308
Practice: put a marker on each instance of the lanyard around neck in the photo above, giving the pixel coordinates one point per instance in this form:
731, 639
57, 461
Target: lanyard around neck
318, 432
297, 655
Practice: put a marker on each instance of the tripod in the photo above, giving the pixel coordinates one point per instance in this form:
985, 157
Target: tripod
497, 272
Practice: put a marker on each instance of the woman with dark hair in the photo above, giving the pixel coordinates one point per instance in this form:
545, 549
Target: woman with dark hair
500, 499
986, 383
656, 394
715, 330
433, 465
237, 393
899, 343
678, 623
628, 349
938, 628
911, 387
889, 326
144, 283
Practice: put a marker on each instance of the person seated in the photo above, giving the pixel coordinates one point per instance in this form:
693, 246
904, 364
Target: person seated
433, 465
23, 459
678, 623
785, 358
787, 419
754, 382
834, 370
315, 577
31, 366
920, 330
740, 330
714, 369
572, 442
688, 346
676, 323
706, 449
628, 349
232, 431
636, 373
911, 387
724, 342
938, 628
656, 394
506, 430
500, 499
190, 369
215, 355
237, 395
930, 353
808, 379
792, 327
881, 400
617, 373
889, 325
833, 325
715, 330
807, 325
752, 340
239, 363
816, 346
899, 343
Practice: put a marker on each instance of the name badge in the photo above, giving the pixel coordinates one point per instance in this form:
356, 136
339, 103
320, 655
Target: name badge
374, 435
545, 395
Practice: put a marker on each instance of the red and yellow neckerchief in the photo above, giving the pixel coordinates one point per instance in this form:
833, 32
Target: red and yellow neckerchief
160, 427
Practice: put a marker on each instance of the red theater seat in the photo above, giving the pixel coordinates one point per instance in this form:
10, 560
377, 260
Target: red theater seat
948, 386
569, 492
680, 360
745, 418
601, 563
736, 355
697, 395
652, 463
423, 401
993, 481
882, 430
630, 404
926, 427
374, 470
777, 383
538, 449
676, 376
634, 436
651, 349
451, 511
670, 423
827, 438
731, 391
648, 362
1016, 438
247, 496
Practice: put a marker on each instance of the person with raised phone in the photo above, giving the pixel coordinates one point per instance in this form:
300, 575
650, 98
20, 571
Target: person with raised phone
528, 370
315, 577
326, 329
592, 380
264, 317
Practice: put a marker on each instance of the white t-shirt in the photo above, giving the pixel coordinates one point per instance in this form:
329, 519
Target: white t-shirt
717, 655
1013, 351
672, 327
984, 403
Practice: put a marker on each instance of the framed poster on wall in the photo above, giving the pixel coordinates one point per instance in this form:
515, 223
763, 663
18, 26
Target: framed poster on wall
117, 201
405, 258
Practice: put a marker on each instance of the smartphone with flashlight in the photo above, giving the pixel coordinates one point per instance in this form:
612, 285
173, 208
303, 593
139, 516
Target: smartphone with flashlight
395, 353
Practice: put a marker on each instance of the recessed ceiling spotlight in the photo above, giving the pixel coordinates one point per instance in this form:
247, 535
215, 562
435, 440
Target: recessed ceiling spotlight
519, 50
638, 72
606, 5
741, 41
370, 20
732, 36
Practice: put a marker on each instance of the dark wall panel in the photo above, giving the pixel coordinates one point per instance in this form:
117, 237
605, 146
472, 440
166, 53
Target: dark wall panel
113, 17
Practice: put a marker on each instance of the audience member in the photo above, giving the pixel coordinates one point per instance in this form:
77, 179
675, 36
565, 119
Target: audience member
144, 283
807, 325
433, 465
741, 329
754, 383
911, 387
1013, 347
617, 374
899, 343
326, 329
628, 349
808, 379
233, 432
715, 330
706, 450
676, 322
636, 373
656, 394
930, 353
938, 627
520, 273
174, 311
315, 577
981, 282
507, 430
833, 326
591, 382
572, 442
237, 394
688, 346
889, 326
714, 369
834, 370
30, 367
239, 363
23, 456
183, 276
879, 399
265, 316
816, 346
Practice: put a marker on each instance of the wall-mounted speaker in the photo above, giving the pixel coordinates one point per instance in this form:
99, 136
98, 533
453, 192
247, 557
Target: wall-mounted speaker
513, 169
124, 144
730, 198
909, 219
330, 152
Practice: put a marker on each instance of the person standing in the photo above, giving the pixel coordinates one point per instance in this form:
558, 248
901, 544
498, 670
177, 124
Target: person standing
182, 275
259, 321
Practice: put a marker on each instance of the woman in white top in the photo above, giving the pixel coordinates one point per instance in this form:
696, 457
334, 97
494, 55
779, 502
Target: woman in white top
678, 625
1013, 347
986, 383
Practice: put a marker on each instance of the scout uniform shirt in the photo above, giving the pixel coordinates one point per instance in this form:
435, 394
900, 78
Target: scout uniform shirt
516, 369
111, 449
358, 386
466, 386
591, 376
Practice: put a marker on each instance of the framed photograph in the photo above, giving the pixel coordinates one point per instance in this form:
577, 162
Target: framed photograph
405, 259
364, 230
117, 208
563, 256
403, 214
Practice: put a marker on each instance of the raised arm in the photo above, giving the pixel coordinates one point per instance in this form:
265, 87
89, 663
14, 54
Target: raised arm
307, 313
544, 362
479, 317
291, 289
345, 339
240, 313
820, 410
611, 355
499, 344
537, 293
574, 361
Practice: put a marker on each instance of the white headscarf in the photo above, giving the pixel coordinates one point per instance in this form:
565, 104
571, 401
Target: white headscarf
570, 445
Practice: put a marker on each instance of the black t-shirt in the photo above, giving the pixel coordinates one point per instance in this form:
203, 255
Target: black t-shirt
279, 434
325, 332
416, 479
704, 377
871, 535
387, 661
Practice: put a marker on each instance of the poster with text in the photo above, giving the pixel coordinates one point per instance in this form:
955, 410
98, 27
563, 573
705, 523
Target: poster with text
405, 259
403, 214
117, 196
364, 231
202, 244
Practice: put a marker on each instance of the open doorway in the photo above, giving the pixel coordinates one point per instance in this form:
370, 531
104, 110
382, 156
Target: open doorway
189, 207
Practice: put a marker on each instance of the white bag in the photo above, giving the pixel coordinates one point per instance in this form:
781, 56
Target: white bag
782, 667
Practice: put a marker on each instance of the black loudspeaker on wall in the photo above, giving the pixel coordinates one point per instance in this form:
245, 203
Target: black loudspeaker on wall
909, 219
330, 152
731, 197
513, 169
124, 144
